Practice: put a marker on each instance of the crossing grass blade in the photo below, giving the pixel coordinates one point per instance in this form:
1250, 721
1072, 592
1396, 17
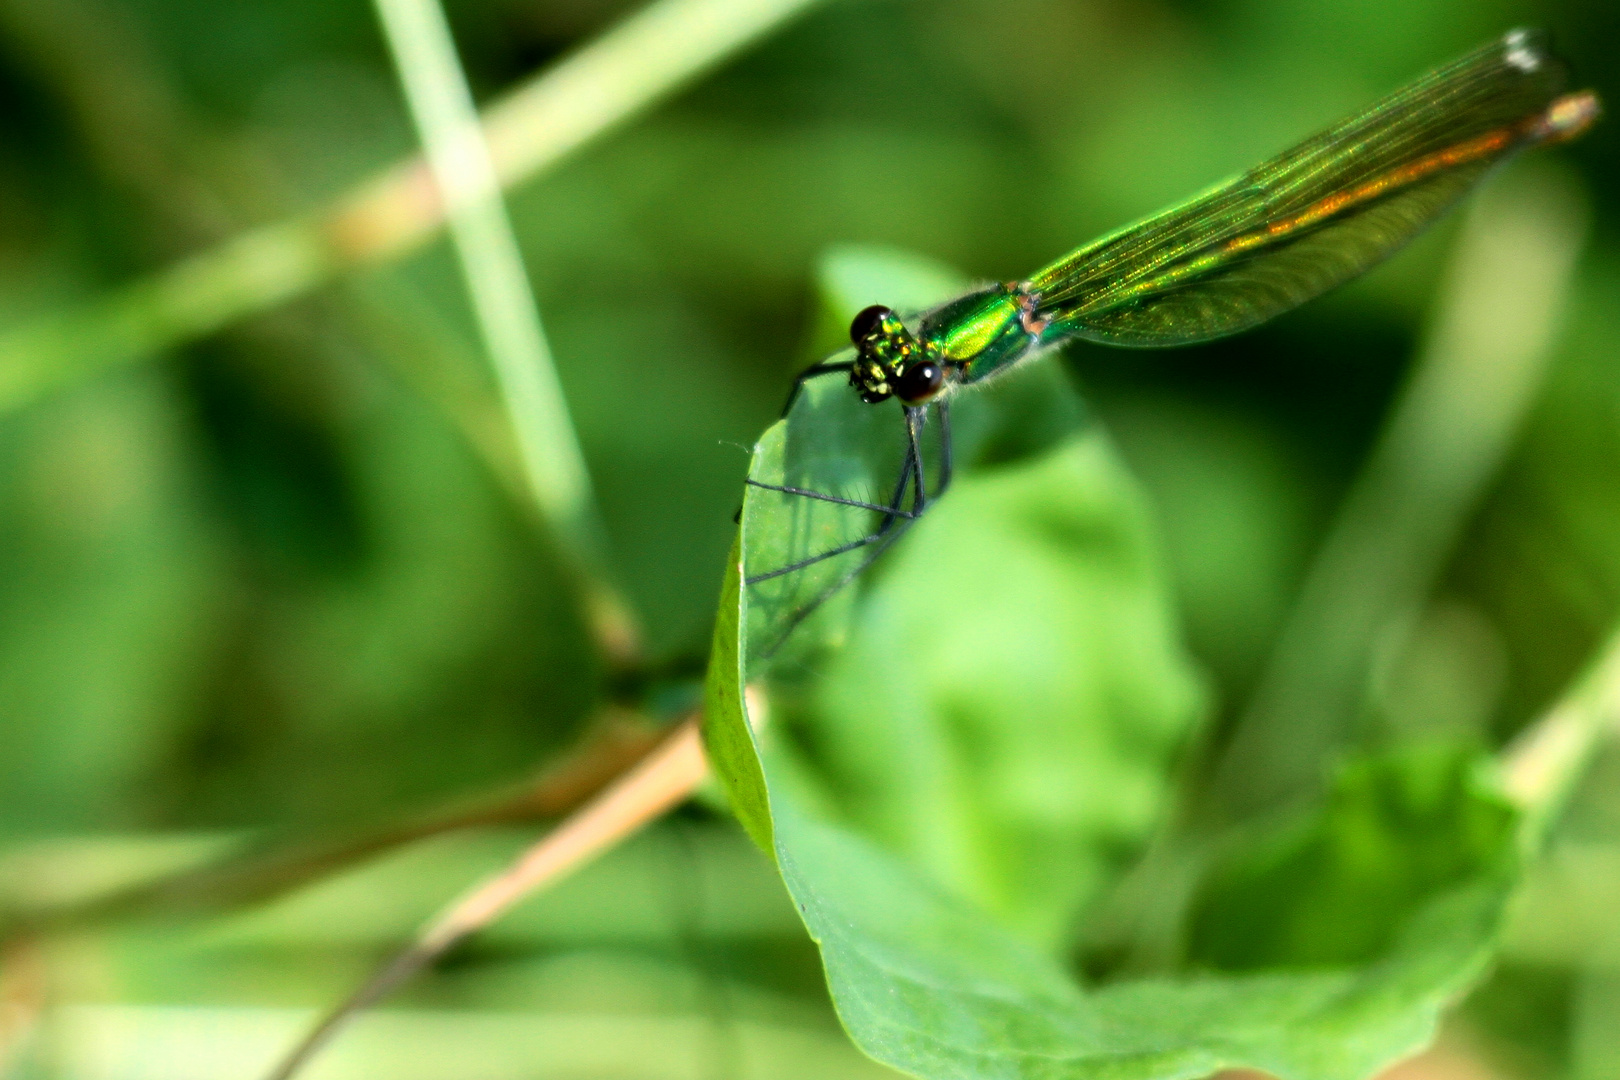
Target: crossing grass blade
1317, 215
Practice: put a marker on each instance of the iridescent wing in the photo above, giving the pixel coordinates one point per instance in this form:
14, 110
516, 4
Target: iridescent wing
1317, 215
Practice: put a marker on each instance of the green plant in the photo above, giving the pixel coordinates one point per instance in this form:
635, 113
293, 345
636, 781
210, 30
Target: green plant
309, 616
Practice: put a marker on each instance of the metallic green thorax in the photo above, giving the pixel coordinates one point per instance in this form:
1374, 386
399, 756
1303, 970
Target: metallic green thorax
971, 338
985, 332
1267, 241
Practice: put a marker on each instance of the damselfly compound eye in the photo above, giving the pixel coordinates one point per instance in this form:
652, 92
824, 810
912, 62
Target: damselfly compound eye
867, 322
920, 382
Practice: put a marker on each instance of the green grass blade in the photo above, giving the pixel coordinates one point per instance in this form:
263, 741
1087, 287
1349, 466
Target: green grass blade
508, 317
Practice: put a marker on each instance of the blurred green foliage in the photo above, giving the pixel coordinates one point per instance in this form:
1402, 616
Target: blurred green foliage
1334, 889
268, 586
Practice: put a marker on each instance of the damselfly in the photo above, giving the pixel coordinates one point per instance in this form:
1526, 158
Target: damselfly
1241, 253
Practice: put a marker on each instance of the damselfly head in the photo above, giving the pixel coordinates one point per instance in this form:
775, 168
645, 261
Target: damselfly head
884, 349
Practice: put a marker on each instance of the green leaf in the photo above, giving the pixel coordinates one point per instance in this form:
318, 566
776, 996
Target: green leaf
1335, 888
1019, 745
927, 984
728, 737
968, 742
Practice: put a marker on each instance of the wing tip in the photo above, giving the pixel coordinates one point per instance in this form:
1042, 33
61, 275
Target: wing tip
1567, 118
1526, 48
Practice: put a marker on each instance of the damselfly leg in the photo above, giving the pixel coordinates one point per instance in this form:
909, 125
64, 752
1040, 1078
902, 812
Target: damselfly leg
812, 372
895, 514
897, 518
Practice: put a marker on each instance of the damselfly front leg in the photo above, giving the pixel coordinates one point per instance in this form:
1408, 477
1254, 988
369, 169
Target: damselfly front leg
894, 511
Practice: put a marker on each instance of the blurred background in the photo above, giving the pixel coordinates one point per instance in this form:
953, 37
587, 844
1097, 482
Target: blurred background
267, 585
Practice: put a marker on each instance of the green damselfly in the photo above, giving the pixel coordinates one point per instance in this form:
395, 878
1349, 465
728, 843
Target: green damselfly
1229, 259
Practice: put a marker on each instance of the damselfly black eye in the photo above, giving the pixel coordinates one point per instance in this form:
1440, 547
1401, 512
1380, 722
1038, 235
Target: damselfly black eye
865, 323
919, 382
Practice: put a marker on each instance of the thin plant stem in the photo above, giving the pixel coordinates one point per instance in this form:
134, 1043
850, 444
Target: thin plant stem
1446, 437
24, 992
618, 742
508, 317
638, 63
660, 781
1543, 764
